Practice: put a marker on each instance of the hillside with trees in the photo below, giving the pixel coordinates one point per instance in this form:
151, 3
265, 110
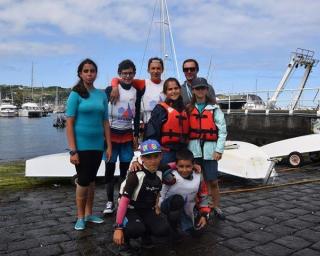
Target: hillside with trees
40, 95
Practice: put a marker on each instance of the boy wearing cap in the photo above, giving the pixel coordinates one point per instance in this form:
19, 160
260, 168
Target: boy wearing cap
139, 195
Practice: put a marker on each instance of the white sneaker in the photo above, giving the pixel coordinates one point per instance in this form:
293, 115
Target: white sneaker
109, 207
219, 213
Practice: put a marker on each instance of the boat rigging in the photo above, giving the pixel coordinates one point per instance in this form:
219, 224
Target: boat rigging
167, 46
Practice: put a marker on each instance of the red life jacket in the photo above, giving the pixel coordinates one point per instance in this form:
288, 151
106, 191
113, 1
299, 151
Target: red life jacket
202, 125
176, 128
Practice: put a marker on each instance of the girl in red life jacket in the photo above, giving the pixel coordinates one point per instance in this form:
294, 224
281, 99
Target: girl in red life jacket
207, 137
169, 122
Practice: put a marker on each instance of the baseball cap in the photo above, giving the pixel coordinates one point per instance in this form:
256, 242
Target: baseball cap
199, 82
149, 147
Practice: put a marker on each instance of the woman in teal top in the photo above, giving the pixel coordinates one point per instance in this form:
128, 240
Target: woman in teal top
88, 131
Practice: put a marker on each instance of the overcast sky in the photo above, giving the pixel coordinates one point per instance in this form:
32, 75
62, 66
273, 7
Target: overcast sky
249, 41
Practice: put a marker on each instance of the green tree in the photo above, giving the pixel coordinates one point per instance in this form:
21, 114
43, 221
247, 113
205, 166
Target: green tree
18, 98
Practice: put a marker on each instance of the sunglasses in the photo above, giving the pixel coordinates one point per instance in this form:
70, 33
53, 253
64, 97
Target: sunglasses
192, 69
127, 74
89, 70
200, 88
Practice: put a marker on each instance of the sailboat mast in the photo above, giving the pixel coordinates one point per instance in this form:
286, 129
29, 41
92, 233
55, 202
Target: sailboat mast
209, 68
32, 81
165, 21
42, 95
56, 99
163, 35
172, 42
11, 94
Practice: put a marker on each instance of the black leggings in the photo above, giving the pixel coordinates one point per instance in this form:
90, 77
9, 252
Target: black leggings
88, 167
173, 207
145, 222
110, 179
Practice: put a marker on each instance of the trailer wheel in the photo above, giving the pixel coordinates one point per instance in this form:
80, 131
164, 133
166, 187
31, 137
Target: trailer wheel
295, 159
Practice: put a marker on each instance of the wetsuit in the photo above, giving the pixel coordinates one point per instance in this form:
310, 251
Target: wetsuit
139, 193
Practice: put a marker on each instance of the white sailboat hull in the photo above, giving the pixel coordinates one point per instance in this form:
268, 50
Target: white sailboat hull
301, 144
56, 165
244, 160
241, 159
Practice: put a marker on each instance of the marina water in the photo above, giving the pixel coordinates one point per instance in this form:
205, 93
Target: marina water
23, 138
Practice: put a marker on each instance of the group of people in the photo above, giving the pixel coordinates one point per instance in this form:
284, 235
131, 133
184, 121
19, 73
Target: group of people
182, 130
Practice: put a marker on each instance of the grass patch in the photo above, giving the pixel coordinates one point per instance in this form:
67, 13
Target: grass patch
12, 177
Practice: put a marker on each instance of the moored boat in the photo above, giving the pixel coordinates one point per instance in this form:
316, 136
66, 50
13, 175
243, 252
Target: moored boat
59, 121
8, 110
30, 109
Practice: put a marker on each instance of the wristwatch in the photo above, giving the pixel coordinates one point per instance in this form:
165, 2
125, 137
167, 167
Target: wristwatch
118, 226
73, 152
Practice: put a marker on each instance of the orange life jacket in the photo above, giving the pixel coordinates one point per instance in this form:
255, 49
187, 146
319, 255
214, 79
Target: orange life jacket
202, 125
176, 128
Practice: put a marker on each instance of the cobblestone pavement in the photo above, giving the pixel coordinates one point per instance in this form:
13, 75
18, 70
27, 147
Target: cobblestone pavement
275, 221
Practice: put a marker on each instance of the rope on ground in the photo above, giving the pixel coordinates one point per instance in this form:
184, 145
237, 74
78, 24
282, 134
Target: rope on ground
271, 186
287, 169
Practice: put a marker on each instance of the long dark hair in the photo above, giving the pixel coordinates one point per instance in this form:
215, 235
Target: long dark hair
192, 104
79, 87
178, 103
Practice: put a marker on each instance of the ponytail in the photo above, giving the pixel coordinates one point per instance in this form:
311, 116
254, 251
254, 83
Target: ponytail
81, 90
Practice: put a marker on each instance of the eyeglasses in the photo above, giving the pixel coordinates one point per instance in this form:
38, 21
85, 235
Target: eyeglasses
89, 70
192, 69
127, 74
200, 88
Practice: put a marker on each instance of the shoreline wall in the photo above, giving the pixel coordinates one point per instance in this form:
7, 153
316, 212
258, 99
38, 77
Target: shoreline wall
261, 129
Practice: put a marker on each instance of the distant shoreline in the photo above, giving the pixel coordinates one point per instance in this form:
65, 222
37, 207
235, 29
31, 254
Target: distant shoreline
11, 161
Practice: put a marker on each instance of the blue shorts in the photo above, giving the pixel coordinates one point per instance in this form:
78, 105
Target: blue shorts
123, 150
209, 169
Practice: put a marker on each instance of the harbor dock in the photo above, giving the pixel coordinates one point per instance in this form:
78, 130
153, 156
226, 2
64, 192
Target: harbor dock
281, 218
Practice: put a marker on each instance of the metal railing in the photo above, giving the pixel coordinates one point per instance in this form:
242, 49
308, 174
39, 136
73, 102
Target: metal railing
258, 100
